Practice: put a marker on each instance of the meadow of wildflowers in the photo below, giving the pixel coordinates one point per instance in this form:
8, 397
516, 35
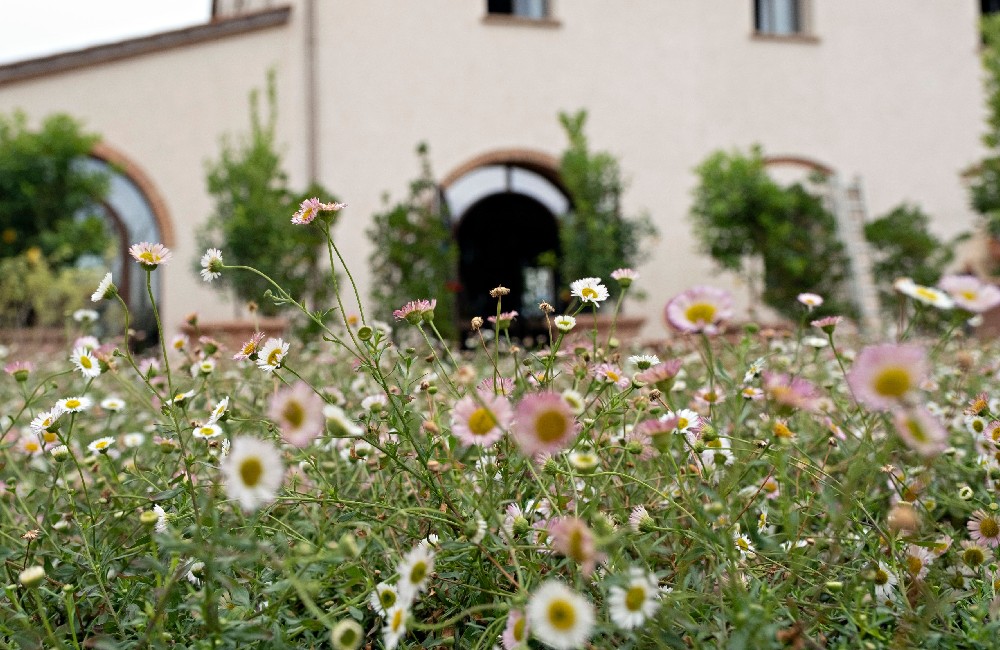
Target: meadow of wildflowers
726, 487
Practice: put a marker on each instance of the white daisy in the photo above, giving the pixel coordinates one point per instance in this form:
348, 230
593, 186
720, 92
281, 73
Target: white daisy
207, 431
383, 598
686, 420
589, 290
346, 635
920, 293
181, 398
395, 626
203, 368
105, 290
339, 425
559, 617
271, 355
74, 404
885, 583
637, 601
644, 361
102, 445
112, 403
253, 471
414, 572
179, 342
45, 420
30, 445
161, 519
564, 323
85, 316
219, 410
133, 439
85, 362
211, 264
744, 546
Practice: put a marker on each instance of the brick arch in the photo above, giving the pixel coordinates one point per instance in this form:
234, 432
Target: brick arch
541, 163
128, 167
799, 161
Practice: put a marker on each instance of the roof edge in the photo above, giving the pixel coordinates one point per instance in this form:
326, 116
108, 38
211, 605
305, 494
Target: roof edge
135, 47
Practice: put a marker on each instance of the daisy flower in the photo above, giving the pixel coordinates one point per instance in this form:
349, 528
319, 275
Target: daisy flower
630, 606
827, 324
45, 420
74, 404
921, 431
559, 617
298, 412
884, 375
106, 290
791, 392
253, 472
661, 375
624, 277
338, 424
149, 256
112, 403
918, 561
481, 421
984, 528
885, 583
973, 554
611, 374
395, 626
564, 323
271, 355
640, 520
810, 300
249, 349
207, 431
743, 545
414, 572
161, 519
101, 445
920, 293
543, 422
133, 439
416, 311
699, 309
584, 462
85, 316
589, 290
220, 410
203, 368
30, 445
515, 635
383, 598
687, 420
506, 318
180, 342
970, 293
310, 209
19, 370
572, 538
644, 361
211, 264
346, 635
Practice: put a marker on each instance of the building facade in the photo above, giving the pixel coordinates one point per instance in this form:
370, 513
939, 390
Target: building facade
888, 91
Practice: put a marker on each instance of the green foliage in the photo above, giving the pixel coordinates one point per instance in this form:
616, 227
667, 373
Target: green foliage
595, 238
33, 293
903, 246
253, 208
985, 188
46, 199
414, 254
740, 213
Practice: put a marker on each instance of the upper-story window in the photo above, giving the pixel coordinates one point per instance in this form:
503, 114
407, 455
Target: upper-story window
779, 17
989, 6
530, 9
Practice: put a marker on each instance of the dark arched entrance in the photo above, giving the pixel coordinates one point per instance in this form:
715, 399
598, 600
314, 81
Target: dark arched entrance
509, 240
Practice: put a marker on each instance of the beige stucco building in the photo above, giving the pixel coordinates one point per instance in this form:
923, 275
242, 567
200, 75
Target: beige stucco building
889, 91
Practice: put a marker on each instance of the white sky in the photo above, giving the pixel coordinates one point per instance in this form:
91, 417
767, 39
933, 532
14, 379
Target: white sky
32, 28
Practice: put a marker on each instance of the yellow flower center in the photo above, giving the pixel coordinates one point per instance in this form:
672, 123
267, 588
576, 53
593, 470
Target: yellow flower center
576, 550
251, 469
32, 446
418, 572
48, 436
588, 293
682, 423
348, 638
928, 294
551, 426
518, 631
892, 382
634, 598
700, 312
86, 362
73, 403
881, 577
968, 295
917, 431
387, 598
914, 564
274, 357
561, 615
101, 444
989, 527
293, 413
397, 620
481, 422
249, 348
973, 556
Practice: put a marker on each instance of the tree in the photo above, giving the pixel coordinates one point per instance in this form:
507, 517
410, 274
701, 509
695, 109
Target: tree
740, 212
985, 187
47, 200
253, 208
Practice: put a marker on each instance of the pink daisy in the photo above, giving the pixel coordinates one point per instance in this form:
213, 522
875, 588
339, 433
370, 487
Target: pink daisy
481, 421
298, 412
504, 321
515, 635
790, 392
970, 293
884, 375
827, 324
416, 311
501, 386
984, 528
250, 347
921, 431
624, 277
661, 375
310, 208
571, 537
543, 422
150, 255
608, 373
19, 369
699, 309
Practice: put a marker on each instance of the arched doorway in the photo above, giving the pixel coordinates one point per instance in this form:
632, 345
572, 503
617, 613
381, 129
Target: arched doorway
134, 212
505, 220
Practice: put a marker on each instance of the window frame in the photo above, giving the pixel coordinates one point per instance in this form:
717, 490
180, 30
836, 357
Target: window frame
512, 18
804, 19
